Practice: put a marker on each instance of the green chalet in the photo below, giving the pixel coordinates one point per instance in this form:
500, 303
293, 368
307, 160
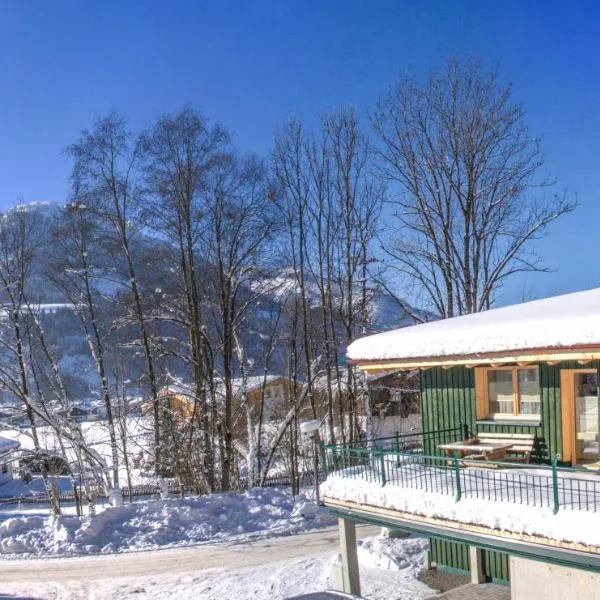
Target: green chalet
504, 476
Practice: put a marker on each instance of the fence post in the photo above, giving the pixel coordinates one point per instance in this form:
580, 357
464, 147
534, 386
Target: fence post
397, 449
465, 431
456, 463
382, 469
555, 484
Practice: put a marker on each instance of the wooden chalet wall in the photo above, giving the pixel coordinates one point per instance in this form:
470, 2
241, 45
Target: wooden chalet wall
448, 400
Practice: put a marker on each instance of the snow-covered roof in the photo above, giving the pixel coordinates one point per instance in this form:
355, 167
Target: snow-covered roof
569, 321
181, 388
6, 445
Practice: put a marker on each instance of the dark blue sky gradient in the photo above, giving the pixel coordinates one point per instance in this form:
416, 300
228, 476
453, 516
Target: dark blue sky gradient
252, 64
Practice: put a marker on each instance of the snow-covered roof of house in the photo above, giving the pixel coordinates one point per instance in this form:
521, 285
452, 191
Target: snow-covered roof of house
556, 326
184, 389
6, 445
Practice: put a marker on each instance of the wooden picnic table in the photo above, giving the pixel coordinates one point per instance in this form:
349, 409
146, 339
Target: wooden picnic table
481, 450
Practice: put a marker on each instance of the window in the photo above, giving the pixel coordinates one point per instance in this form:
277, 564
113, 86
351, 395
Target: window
508, 393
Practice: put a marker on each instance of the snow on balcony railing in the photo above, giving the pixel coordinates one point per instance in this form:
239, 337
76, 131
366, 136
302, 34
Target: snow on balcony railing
551, 486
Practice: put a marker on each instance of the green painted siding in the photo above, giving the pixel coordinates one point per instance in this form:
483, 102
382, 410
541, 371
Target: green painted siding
449, 554
448, 400
454, 556
495, 566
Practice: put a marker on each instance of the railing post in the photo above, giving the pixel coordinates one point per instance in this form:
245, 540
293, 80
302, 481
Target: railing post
324, 456
555, 484
382, 469
397, 449
456, 463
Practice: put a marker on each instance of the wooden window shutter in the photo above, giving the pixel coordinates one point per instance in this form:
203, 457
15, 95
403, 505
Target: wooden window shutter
481, 403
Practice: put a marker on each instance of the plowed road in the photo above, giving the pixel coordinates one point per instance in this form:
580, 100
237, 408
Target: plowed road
157, 562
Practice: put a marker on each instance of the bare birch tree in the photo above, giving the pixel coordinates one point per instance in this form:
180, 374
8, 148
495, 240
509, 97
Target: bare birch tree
74, 271
106, 176
19, 247
240, 223
180, 153
330, 202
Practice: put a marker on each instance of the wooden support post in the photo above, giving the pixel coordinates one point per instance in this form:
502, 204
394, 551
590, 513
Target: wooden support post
476, 564
350, 573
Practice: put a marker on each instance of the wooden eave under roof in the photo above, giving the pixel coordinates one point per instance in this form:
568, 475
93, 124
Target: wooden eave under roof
582, 354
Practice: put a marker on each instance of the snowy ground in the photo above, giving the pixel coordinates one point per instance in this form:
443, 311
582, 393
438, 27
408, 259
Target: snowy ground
152, 524
498, 511
388, 572
262, 544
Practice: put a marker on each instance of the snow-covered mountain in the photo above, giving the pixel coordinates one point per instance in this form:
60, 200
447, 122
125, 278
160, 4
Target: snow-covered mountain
267, 298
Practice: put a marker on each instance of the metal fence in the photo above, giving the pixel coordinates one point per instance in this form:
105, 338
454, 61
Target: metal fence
410, 443
540, 485
306, 480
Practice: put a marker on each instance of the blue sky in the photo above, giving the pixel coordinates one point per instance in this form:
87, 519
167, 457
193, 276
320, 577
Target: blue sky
252, 64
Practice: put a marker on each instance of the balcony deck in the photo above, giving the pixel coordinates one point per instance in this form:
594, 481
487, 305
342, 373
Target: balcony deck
556, 505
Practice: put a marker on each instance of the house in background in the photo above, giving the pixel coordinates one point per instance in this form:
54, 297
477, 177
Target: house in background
7, 449
394, 403
499, 390
272, 390
179, 397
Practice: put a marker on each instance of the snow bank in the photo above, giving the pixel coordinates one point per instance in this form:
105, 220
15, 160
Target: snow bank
577, 526
559, 322
163, 523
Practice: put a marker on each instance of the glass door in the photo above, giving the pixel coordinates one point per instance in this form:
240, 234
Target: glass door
586, 417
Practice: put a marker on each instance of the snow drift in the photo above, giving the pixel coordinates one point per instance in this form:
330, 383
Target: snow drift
229, 517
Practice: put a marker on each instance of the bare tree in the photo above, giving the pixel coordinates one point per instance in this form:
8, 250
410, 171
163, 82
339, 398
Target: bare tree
464, 166
329, 201
240, 223
290, 173
106, 179
180, 153
19, 247
74, 270
358, 197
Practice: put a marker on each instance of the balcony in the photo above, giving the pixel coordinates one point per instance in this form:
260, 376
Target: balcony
392, 480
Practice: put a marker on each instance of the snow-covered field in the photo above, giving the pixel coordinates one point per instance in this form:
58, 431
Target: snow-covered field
580, 526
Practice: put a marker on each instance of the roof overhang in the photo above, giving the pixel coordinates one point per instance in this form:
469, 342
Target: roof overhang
581, 354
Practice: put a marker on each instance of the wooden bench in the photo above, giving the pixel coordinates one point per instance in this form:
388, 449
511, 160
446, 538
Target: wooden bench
522, 444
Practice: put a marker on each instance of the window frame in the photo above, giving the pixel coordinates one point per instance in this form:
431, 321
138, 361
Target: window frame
484, 399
